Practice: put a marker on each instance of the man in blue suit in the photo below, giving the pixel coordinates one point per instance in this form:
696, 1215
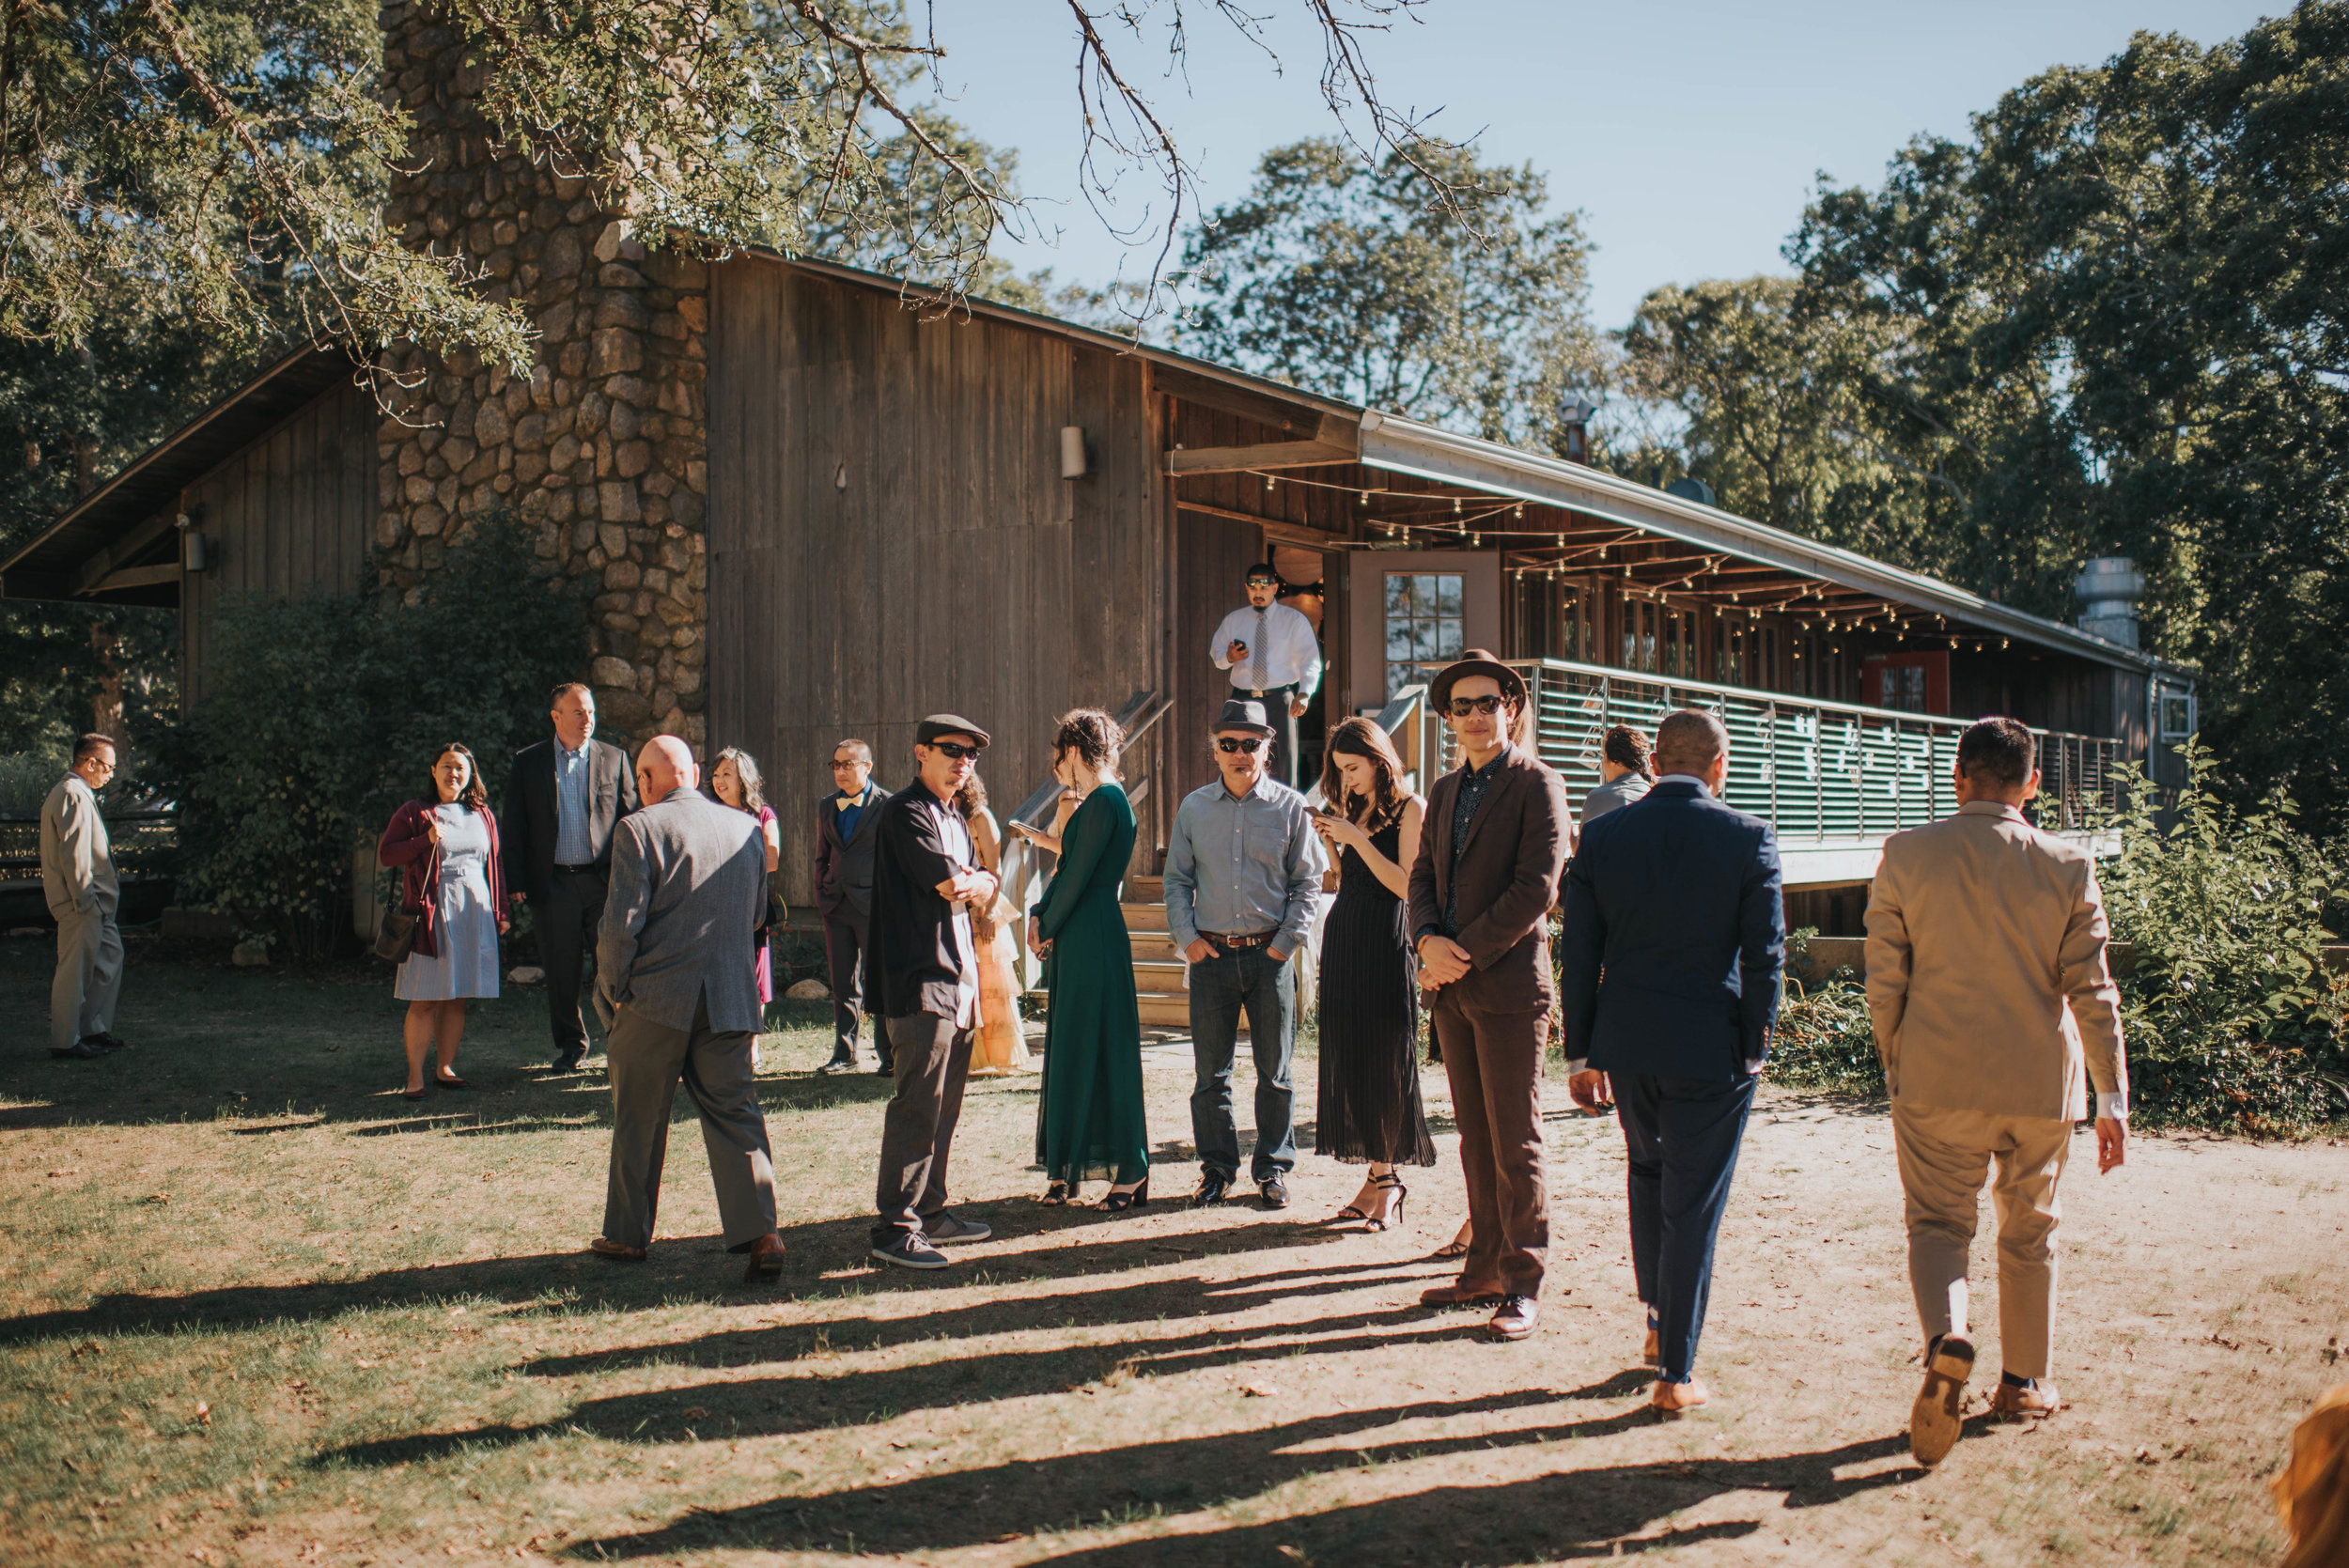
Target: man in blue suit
1675, 933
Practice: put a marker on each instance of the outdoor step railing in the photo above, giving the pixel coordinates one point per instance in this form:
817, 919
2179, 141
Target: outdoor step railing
1819, 771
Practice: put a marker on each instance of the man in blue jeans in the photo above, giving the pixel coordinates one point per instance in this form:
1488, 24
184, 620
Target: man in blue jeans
1243, 871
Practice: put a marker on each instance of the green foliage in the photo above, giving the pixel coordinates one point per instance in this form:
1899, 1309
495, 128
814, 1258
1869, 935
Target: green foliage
1352, 281
27, 777
2232, 1021
323, 714
1825, 1039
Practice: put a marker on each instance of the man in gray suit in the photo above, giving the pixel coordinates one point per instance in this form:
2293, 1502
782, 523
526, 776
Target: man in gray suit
672, 961
77, 875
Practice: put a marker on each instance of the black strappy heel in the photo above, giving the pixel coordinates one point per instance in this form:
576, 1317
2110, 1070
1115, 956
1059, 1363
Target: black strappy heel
1390, 1182
1057, 1194
1123, 1202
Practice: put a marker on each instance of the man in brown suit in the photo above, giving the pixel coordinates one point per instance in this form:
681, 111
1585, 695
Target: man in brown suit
1498, 831
1988, 985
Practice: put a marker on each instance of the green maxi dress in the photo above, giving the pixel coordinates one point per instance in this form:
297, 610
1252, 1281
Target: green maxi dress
1090, 1121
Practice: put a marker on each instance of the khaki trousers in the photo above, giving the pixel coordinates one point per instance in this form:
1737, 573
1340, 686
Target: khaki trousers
1945, 1157
89, 974
1494, 1063
645, 1061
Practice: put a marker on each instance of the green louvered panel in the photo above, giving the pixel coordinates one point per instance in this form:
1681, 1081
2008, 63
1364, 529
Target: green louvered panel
1840, 756
1794, 772
1748, 785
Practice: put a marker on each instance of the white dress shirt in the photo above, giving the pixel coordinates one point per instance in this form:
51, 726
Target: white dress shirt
1281, 649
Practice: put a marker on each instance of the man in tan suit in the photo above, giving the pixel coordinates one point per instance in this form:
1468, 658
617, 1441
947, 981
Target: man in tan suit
1987, 983
77, 875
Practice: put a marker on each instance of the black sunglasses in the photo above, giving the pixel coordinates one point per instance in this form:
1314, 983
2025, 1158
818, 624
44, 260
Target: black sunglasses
955, 749
1233, 743
1263, 582
1462, 706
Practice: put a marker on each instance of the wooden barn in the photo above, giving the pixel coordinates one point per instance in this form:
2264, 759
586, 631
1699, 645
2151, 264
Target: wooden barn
845, 515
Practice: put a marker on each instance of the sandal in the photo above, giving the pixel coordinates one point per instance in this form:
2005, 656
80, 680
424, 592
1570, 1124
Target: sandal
1056, 1195
1390, 1182
1133, 1197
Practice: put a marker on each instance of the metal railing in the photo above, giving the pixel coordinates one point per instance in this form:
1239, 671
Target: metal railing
1817, 770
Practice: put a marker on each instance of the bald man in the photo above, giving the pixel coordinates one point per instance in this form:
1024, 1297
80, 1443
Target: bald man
672, 958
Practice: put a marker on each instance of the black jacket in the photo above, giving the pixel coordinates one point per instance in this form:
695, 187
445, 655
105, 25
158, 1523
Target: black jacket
843, 868
530, 821
914, 959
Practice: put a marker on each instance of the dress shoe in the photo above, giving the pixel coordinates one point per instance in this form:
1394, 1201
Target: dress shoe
765, 1259
617, 1252
1459, 1295
1212, 1186
2036, 1399
80, 1050
1678, 1399
566, 1062
1275, 1192
1514, 1319
944, 1230
837, 1066
106, 1039
1938, 1415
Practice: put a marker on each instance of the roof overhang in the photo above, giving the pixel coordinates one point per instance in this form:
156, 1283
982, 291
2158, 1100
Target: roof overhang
99, 551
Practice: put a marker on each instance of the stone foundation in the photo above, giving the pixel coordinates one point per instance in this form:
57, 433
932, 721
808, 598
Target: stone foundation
602, 451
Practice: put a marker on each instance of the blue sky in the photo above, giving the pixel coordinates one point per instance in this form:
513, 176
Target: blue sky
1689, 135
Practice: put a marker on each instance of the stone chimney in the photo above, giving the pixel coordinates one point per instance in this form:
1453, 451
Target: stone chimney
602, 451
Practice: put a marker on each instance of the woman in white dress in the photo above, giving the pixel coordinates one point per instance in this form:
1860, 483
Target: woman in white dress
446, 847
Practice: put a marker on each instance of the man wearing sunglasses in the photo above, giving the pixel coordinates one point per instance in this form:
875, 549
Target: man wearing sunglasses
1243, 876
1498, 832
77, 876
922, 972
1274, 658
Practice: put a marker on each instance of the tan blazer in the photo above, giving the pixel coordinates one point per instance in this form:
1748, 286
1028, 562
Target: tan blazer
1981, 929
77, 865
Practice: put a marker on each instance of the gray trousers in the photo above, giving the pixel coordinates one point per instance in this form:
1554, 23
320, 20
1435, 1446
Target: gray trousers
932, 1062
89, 974
645, 1060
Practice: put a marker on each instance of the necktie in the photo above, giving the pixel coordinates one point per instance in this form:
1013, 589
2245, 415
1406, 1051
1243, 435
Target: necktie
1256, 655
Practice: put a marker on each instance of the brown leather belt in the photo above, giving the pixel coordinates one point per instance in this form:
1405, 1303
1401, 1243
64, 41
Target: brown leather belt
1261, 938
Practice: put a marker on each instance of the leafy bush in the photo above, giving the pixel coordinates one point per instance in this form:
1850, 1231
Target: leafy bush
2234, 1022
27, 777
322, 716
1825, 1039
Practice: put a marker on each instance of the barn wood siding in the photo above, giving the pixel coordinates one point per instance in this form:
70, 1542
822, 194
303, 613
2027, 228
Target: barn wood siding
890, 534
286, 513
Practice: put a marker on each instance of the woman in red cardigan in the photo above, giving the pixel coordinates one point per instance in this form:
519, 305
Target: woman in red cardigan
446, 841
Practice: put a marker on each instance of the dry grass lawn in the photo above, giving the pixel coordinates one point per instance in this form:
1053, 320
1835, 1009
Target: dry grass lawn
255, 1308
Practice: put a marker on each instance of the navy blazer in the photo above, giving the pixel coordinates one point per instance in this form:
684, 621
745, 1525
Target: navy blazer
1674, 936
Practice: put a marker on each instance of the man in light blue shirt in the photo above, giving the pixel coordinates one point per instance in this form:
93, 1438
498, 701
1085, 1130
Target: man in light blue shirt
1243, 874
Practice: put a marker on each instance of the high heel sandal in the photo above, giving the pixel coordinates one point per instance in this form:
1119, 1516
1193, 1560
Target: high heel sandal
1390, 1182
1057, 1194
1450, 1249
1122, 1202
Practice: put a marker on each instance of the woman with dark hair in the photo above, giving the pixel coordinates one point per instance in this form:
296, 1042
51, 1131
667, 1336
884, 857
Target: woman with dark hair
735, 780
1091, 1121
446, 842
1624, 770
1001, 1045
1370, 1108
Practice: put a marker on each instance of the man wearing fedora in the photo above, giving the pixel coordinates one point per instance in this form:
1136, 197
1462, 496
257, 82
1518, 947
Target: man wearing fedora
1499, 828
1274, 657
1243, 876
923, 971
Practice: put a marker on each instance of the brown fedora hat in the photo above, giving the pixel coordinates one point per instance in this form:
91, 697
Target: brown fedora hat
1476, 662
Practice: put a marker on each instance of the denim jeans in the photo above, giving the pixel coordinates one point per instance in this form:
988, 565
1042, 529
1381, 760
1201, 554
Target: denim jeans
1219, 987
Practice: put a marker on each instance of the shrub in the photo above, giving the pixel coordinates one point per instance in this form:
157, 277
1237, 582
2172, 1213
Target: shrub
2234, 1022
322, 714
1824, 1040
27, 777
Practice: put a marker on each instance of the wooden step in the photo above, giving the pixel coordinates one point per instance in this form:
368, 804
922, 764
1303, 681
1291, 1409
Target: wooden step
1159, 976
1152, 944
1145, 890
1144, 917
1161, 1010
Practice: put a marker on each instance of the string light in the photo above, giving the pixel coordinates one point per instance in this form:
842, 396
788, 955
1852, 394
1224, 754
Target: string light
1268, 481
1366, 498
1455, 506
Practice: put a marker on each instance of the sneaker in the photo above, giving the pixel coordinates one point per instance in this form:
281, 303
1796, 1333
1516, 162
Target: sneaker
946, 1229
912, 1250
1938, 1415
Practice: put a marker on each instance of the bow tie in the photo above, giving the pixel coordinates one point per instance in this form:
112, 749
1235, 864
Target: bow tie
848, 800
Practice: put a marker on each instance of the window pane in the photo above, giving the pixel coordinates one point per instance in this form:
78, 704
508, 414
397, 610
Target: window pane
1398, 595
1398, 640
1447, 595
1449, 641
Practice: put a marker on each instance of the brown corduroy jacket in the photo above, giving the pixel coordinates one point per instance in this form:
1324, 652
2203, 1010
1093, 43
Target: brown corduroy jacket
1508, 874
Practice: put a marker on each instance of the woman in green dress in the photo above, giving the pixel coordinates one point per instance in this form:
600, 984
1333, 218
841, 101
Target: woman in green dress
1090, 1124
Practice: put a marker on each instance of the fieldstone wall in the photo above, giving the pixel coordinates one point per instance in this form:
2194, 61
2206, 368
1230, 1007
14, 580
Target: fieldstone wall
603, 449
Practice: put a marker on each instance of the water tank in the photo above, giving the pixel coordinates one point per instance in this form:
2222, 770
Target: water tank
2109, 590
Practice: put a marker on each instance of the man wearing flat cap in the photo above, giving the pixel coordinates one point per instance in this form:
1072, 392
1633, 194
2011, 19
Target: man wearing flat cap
1243, 876
1498, 831
1273, 655
922, 975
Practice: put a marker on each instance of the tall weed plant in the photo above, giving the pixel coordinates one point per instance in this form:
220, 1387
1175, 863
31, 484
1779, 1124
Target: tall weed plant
2233, 1021
323, 714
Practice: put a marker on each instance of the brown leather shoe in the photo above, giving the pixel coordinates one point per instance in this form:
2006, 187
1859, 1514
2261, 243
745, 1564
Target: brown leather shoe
616, 1253
765, 1259
1459, 1295
1938, 1415
1516, 1318
2039, 1399
1678, 1399
1652, 1350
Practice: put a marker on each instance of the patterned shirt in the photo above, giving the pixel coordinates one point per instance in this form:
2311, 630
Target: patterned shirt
572, 774
1472, 787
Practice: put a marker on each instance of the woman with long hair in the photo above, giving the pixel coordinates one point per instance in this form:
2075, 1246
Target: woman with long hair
1001, 1045
735, 780
1090, 1124
1370, 1108
446, 842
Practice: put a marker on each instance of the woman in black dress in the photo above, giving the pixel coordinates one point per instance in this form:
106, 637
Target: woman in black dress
1370, 1108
